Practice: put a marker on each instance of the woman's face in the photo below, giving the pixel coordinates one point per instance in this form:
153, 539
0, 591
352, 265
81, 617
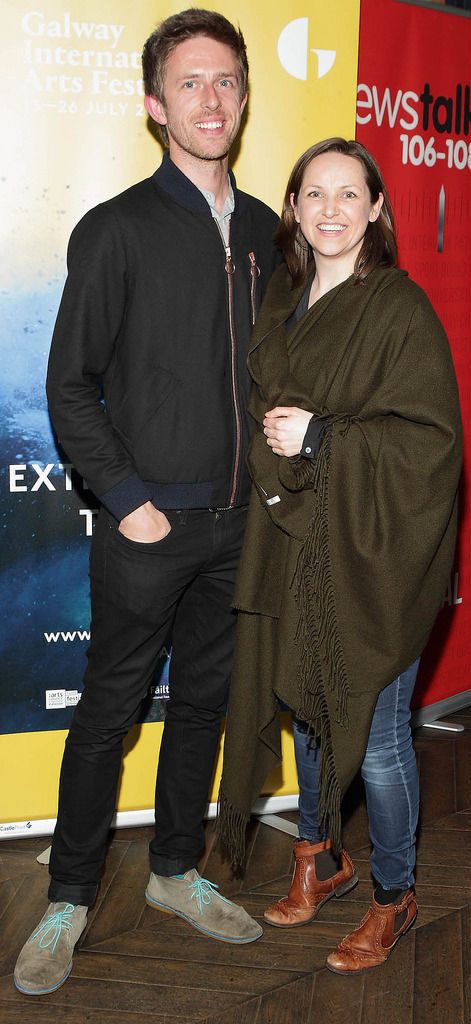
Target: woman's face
334, 207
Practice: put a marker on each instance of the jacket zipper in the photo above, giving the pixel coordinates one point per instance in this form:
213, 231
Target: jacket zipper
230, 270
254, 275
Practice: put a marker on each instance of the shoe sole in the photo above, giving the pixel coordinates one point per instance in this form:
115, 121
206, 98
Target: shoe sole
42, 991
363, 970
341, 891
199, 928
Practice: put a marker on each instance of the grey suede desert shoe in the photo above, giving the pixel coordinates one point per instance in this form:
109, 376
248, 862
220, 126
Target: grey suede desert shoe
198, 902
46, 958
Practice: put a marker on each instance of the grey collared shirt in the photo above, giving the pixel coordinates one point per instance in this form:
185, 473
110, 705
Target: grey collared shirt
223, 219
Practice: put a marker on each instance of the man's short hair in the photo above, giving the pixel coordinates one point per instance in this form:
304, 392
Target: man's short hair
177, 29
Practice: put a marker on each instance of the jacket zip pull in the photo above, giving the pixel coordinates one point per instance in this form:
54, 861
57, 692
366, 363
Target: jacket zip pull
254, 275
230, 265
254, 269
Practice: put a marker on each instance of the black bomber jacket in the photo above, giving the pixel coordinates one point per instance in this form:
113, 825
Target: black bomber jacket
147, 380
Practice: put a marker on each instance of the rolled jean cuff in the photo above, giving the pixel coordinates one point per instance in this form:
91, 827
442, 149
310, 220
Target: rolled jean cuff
168, 866
78, 895
403, 883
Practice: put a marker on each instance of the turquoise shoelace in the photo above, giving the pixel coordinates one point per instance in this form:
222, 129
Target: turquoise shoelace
203, 891
49, 931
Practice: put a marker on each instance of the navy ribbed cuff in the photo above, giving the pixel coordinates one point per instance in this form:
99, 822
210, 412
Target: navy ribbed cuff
126, 496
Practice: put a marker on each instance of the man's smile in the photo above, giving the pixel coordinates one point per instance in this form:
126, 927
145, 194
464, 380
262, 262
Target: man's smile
211, 125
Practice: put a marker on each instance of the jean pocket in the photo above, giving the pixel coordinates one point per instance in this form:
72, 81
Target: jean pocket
140, 545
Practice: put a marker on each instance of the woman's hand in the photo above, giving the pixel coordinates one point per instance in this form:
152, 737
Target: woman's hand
285, 428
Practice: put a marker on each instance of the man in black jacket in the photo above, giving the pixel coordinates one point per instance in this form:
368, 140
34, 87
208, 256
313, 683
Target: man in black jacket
164, 282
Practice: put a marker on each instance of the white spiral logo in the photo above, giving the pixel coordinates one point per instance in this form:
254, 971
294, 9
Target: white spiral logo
293, 51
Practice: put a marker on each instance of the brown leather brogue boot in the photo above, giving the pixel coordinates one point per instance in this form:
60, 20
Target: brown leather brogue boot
373, 941
316, 878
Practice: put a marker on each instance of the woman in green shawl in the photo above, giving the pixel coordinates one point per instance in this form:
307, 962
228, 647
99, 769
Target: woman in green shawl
349, 544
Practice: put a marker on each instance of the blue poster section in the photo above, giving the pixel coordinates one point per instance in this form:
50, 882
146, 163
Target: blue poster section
47, 516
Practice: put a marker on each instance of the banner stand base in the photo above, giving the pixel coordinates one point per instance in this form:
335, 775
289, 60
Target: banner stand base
134, 819
282, 824
444, 726
433, 713
265, 807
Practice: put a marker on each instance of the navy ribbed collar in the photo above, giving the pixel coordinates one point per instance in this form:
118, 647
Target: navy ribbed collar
172, 180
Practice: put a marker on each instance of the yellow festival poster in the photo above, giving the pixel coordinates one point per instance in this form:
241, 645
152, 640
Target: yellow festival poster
74, 134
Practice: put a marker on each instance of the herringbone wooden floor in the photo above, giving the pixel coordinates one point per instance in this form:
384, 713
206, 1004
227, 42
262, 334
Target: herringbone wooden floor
135, 965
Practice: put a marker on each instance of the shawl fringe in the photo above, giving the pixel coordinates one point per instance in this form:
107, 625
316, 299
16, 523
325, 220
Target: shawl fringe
231, 825
322, 661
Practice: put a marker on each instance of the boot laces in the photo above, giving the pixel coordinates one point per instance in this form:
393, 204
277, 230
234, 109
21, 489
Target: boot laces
49, 931
203, 891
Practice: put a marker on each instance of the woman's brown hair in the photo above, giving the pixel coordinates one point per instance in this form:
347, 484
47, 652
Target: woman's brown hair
379, 247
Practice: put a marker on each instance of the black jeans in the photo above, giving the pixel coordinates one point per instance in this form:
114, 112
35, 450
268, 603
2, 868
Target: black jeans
143, 594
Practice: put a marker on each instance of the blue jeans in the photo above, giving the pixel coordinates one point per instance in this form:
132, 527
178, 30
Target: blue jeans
389, 772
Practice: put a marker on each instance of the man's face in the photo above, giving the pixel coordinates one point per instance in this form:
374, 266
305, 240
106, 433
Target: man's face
202, 106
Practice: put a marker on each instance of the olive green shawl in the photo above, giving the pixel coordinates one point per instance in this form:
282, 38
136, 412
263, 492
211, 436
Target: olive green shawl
345, 560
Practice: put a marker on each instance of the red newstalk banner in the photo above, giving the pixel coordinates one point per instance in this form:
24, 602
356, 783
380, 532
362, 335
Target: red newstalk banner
414, 114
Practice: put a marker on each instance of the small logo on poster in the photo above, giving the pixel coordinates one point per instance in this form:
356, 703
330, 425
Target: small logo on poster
55, 699
12, 827
61, 699
161, 692
293, 51
72, 698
